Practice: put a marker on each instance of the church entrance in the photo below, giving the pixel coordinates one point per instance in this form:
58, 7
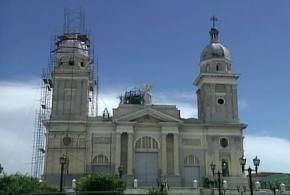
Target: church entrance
191, 170
190, 173
146, 168
146, 161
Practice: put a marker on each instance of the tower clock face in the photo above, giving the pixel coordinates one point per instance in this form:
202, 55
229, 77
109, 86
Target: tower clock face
224, 142
66, 141
220, 101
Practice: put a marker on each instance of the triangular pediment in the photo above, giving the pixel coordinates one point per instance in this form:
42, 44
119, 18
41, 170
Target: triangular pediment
148, 115
147, 119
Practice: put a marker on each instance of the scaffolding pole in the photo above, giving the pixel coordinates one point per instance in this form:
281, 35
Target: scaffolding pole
41, 115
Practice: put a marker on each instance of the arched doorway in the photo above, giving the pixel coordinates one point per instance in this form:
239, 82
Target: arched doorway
146, 160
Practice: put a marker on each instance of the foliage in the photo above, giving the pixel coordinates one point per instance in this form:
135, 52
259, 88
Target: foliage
101, 183
209, 183
206, 182
275, 180
18, 183
157, 191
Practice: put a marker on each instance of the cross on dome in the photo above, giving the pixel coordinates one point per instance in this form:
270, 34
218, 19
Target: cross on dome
213, 31
214, 20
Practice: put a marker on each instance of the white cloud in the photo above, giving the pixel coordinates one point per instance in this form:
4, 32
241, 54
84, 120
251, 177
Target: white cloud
184, 100
18, 102
109, 99
272, 151
17, 95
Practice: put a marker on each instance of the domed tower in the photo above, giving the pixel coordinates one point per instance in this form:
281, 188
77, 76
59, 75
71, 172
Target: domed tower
216, 84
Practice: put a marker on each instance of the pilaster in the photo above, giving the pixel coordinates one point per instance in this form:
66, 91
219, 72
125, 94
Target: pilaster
117, 151
125, 128
176, 154
163, 155
130, 154
165, 130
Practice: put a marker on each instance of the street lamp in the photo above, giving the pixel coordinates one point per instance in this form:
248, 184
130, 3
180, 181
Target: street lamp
213, 166
212, 182
243, 161
62, 161
256, 162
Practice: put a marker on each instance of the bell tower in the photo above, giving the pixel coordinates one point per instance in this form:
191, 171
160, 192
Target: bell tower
216, 84
73, 88
71, 77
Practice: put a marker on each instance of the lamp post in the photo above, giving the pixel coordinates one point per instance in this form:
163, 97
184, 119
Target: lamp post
213, 166
62, 161
219, 182
256, 162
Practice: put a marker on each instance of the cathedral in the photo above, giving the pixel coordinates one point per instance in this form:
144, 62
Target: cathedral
142, 140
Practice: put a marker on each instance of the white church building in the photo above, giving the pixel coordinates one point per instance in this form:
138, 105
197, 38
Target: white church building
143, 140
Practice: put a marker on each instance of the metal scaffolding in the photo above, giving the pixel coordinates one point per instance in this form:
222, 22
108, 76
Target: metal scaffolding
41, 115
73, 30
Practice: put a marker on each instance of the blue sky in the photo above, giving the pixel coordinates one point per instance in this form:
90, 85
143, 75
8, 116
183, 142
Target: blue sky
155, 42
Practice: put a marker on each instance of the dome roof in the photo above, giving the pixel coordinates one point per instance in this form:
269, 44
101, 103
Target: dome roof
214, 49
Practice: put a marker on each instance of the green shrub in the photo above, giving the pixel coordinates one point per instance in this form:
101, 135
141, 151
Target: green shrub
18, 183
101, 183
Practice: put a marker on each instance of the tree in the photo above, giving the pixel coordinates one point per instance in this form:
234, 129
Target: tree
18, 183
101, 183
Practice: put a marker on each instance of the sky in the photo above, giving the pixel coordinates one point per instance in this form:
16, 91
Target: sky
157, 42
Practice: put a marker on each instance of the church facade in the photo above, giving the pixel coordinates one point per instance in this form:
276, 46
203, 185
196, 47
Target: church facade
142, 140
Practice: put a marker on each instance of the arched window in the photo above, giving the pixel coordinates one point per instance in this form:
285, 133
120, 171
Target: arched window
217, 67
146, 143
207, 68
101, 160
191, 160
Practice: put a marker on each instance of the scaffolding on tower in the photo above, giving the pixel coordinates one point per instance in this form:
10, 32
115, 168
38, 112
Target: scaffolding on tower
73, 30
41, 115
94, 87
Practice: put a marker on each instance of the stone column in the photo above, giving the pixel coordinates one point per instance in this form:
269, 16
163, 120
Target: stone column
117, 152
176, 154
163, 155
130, 154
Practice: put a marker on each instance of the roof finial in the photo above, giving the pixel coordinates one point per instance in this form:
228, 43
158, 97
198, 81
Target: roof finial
214, 20
213, 31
